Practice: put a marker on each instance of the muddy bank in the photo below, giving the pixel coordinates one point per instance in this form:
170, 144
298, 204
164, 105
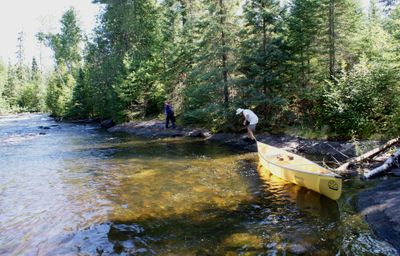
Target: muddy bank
381, 207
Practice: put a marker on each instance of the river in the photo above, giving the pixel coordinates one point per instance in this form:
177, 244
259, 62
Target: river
69, 189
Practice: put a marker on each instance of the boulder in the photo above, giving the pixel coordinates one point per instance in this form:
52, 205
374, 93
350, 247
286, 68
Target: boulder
199, 133
107, 123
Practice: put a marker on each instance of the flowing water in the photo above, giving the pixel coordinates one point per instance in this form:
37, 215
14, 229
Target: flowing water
68, 189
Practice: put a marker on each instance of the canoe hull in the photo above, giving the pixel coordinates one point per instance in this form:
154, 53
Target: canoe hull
310, 176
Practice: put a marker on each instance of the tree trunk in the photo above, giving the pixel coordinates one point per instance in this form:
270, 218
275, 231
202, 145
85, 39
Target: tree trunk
224, 55
184, 13
393, 160
368, 155
264, 44
332, 53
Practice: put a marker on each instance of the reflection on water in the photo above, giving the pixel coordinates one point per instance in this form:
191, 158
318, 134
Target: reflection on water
78, 190
307, 201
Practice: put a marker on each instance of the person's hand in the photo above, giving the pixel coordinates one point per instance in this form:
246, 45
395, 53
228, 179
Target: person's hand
244, 123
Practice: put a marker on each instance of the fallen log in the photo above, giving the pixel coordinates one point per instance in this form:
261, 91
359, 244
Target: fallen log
392, 161
369, 155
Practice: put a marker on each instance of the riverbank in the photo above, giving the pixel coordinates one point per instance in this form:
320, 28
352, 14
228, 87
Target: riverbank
333, 151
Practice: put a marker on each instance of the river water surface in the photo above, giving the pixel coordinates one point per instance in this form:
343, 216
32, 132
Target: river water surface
68, 189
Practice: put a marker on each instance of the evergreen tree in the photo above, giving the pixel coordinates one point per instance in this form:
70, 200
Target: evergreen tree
306, 24
209, 94
35, 72
143, 63
348, 24
263, 56
20, 54
31, 95
392, 26
81, 104
3, 77
360, 102
376, 42
177, 41
3, 80
12, 86
101, 68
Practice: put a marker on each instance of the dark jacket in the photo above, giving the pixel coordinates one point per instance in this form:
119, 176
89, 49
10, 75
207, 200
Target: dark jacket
168, 110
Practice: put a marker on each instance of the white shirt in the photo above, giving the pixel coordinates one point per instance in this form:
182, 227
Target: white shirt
250, 116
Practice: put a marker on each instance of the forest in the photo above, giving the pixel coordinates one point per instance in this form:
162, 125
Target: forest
326, 66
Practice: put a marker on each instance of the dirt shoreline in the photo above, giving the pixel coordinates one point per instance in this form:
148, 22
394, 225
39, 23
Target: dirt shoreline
330, 151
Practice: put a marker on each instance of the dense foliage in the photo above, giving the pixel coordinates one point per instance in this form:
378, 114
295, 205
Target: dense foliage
320, 64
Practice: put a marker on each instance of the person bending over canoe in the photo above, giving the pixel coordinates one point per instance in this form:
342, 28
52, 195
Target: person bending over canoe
250, 121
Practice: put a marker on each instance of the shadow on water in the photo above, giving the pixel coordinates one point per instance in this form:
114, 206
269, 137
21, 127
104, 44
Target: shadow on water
307, 201
219, 233
277, 218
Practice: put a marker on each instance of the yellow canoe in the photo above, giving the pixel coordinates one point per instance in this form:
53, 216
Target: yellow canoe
299, 170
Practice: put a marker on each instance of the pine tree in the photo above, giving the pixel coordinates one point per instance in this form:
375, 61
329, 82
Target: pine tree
305, 27
348, 19
11, 87
35, 72
179, 33
376, 41
210, 90
3, 80
3, 77
263, 57
392, 26
81, 103
21, 56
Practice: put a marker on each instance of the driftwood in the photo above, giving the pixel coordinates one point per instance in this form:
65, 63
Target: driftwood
389, 163
369, 155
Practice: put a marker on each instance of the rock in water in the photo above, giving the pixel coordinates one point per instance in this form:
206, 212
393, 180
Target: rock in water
107, 123
381, 207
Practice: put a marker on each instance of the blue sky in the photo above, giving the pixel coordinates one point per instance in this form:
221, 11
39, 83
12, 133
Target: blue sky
32, 16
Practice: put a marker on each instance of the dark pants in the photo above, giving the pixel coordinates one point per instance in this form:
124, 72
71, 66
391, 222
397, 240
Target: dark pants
170, 117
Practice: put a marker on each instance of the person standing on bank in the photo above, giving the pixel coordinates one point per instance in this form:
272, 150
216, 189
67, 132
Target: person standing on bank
250, 121
169, 115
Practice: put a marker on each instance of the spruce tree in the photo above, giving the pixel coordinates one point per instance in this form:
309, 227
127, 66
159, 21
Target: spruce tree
263, 55
209, 94
20, 54
12, 86
3, 81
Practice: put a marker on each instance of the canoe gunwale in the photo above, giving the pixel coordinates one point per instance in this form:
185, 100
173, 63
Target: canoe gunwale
331, 174
317, 178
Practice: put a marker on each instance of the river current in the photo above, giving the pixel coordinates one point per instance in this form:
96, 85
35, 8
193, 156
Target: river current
69, 189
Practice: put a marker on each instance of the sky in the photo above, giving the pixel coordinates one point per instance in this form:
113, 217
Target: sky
32, 16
